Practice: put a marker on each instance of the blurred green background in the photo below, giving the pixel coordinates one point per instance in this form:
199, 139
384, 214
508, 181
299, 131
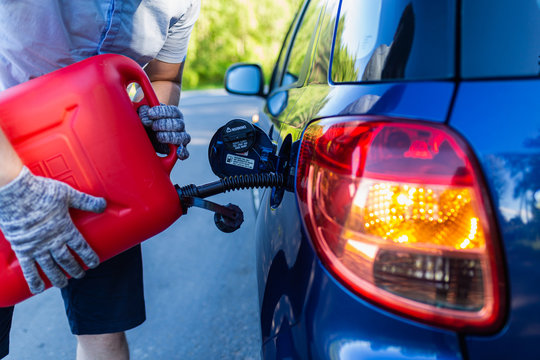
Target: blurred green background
230, 31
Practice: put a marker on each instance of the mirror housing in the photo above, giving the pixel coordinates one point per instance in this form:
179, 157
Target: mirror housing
244, 79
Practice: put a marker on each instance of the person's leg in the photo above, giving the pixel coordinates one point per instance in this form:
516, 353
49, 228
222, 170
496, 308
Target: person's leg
6, 315
102, 347
106, 302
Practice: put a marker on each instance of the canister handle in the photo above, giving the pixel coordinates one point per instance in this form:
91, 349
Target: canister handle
133, 73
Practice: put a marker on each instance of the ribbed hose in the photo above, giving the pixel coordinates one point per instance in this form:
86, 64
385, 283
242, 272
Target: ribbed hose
252, 181
230, 183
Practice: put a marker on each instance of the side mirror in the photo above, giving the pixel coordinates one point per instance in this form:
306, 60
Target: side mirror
244, 79
277, 102
289, 79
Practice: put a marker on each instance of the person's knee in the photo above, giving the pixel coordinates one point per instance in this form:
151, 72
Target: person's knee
102, 346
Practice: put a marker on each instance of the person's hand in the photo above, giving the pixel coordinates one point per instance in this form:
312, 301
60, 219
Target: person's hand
165, 124
34, 217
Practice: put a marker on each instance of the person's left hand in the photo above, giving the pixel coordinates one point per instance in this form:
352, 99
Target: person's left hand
165, 125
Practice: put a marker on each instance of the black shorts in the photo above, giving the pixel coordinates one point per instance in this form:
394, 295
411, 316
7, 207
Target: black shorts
5, 325
108, 299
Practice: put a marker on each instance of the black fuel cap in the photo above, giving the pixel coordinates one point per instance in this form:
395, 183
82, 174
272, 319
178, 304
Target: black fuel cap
238, 135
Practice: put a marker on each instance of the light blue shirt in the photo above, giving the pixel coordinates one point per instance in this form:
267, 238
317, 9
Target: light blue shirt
40, 36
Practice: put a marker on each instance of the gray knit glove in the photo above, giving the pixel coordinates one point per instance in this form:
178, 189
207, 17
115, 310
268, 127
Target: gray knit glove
165, 125
34, 218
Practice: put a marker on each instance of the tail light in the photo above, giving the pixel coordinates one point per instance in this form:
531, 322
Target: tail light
397, 213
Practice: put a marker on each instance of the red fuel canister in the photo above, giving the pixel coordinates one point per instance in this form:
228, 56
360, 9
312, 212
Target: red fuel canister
79, 125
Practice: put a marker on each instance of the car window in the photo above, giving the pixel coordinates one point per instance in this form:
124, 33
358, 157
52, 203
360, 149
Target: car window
321, 60
301, 44
500, 38
381, 40
280, 63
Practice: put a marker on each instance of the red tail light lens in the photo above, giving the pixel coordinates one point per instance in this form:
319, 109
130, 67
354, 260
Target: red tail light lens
396, 212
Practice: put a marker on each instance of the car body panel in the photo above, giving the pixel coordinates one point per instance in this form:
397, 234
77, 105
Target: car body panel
286, 263
421, 101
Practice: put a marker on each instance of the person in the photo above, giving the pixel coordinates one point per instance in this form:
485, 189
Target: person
40, 36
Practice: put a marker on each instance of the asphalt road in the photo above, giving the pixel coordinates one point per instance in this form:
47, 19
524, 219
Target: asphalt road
200, 286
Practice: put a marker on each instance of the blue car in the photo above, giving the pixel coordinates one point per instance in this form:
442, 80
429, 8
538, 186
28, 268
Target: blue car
412, 230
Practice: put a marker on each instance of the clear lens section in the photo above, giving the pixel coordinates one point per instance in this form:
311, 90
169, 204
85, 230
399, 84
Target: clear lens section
394, 212
451, 282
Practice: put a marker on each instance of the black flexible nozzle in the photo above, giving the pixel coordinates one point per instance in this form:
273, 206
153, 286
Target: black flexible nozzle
230, 183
